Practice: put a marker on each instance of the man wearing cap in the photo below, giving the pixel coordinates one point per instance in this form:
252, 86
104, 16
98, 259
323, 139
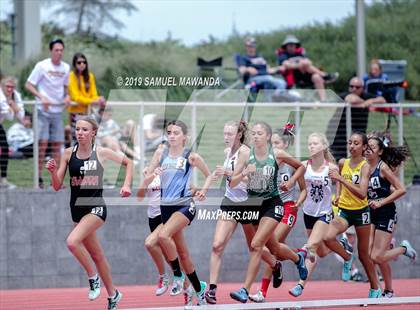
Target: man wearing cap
254, 69
48, 82
298, 69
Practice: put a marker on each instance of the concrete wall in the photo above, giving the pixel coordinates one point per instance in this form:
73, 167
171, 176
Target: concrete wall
34, 225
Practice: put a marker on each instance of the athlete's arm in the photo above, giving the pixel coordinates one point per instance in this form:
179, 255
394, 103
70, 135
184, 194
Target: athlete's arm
399, 189
360, 191
197, 161
220, 170
108, 154
155, 162
303, 192
57, 175
282, 156
337, 184
240, 171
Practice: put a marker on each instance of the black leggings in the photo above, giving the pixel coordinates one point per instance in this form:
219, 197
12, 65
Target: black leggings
4, 157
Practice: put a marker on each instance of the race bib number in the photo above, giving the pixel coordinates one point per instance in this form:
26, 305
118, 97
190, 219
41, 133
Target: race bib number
374, 182
290, 220
329, 218
279, 210
366, 218
192, 209
98, 211
390, 227
268, 171
181, 163
89, 165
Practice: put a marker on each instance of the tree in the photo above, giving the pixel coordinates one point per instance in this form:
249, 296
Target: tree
89, 16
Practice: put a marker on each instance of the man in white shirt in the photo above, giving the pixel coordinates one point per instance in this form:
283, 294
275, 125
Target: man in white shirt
10, 106
48, 82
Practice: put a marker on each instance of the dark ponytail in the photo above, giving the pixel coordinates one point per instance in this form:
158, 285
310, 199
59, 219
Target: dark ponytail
393, 156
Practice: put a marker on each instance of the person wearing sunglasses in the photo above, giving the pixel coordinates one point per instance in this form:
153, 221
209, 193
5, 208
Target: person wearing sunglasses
10, 106
360, 102
82, 91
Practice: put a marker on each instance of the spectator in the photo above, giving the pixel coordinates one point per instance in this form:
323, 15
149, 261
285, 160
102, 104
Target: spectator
109, 132
82, 90
112, 136
153, 131
48, 82
10, 106
298, 68
360, 102
374, 85
20, 137
255, 71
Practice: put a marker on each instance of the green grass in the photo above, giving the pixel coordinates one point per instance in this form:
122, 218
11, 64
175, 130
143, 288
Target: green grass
211, 146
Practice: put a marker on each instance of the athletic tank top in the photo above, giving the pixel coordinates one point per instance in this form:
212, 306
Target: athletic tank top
348, 200
175, 178
237, 193
153, 198
263, 182
86, 180
318, 185
379, 188
284, 174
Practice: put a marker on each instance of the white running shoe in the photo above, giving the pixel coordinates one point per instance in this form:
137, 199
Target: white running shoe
177, 285
201, 295
188, 296
409, 250
163, 285
94, 288
259, 297
113, 301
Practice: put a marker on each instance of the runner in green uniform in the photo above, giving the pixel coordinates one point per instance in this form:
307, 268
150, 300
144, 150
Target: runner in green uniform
260, 166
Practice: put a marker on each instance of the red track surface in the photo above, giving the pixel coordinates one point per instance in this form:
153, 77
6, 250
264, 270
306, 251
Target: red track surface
143, 296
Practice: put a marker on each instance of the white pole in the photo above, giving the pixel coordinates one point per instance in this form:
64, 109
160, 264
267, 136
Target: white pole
401, 135
36, 146
361, 38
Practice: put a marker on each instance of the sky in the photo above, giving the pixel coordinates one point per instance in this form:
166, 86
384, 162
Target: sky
192, 21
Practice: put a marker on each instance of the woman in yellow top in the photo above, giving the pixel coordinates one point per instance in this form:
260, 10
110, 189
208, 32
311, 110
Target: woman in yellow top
351, 199
82, 90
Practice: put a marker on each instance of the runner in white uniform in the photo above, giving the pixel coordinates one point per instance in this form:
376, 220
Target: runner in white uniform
317, 207
151, 192
234, 202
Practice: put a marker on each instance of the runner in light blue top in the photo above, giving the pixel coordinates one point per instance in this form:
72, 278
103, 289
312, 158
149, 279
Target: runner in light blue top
174, 164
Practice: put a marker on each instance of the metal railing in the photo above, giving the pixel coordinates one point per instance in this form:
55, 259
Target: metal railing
298, 106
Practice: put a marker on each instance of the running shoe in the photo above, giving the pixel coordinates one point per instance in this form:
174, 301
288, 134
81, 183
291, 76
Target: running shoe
177, 285
240, 295
163, 285
388, 294
409, 250
201, 298
277, 274
297, 290
303, 272
113, 301
357, 277
346, 245
94, 288
375, 293
188, 296
346, 272
331, 77
259, 297
211, 296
